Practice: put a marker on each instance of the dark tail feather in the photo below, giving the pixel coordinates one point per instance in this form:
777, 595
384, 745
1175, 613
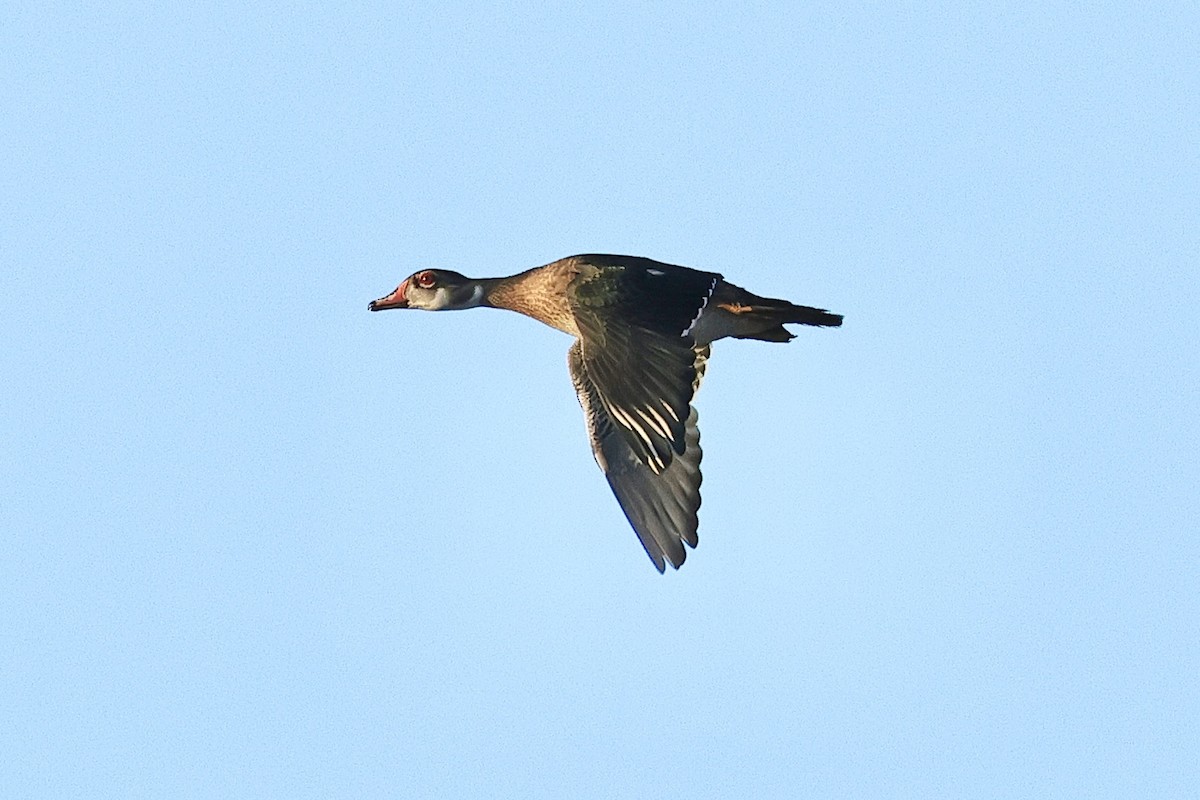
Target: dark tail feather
806, 315
774, 314
775, 334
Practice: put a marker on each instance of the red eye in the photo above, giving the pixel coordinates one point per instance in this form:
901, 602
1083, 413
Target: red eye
426, 280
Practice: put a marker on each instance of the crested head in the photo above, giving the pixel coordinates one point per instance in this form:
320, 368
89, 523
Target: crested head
434, 290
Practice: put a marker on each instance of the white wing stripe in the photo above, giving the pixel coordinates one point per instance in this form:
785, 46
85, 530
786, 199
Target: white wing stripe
656, 463
656, 421
631, 424
703, 305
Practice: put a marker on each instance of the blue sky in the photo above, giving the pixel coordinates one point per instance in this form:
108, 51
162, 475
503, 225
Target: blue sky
258, 542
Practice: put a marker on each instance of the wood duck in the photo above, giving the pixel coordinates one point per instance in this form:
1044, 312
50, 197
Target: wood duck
642, 332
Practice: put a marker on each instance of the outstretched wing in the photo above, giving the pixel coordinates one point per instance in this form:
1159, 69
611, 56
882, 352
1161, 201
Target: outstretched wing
636, 348
660, 501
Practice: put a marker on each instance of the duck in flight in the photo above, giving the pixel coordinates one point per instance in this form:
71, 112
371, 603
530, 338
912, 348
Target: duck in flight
642, 333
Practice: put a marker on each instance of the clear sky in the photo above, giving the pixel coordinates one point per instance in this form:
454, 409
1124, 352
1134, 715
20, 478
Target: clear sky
257, 542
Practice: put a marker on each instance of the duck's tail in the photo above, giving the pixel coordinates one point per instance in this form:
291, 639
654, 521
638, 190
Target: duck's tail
769, 317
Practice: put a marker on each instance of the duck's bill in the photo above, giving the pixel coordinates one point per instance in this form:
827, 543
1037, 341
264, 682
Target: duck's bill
397, 299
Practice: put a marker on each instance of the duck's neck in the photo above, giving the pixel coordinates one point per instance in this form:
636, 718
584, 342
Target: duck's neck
504, 292
484, 290
540, 293
473, 293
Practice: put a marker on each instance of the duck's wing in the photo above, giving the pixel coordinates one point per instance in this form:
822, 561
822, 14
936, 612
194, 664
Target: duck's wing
660, 500
636, 348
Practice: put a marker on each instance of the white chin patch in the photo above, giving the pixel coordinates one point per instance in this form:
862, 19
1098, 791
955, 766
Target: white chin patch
440, 299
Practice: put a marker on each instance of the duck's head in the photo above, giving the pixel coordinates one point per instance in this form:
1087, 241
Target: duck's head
433, 290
